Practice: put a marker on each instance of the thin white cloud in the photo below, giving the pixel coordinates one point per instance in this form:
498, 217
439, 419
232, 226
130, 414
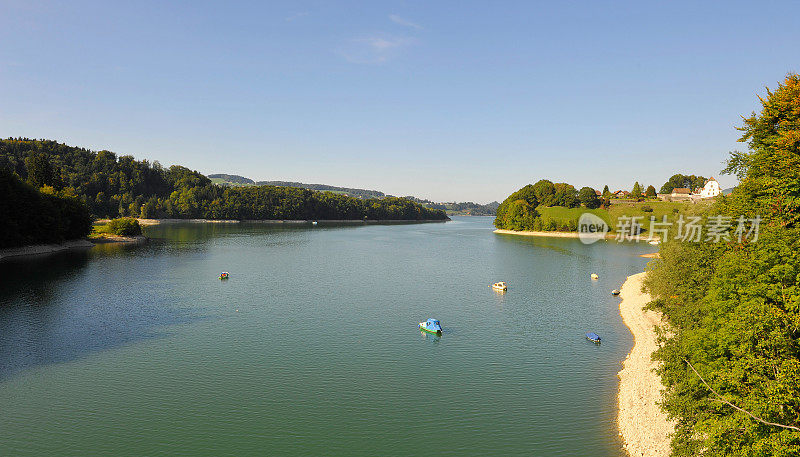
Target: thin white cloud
294, 16
374, 49
399, 20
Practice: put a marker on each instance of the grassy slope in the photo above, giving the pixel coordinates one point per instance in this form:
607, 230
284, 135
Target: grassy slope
624, 208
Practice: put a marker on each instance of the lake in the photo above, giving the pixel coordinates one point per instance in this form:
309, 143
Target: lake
312, 347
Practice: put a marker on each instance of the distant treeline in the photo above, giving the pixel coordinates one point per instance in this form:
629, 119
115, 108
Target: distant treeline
462, 208
236, 180
112, 186
30, 216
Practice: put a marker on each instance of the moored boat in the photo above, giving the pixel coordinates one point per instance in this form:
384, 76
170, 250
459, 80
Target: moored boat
223, 275
615, 292
594, 276
431, 326
499, 286
593, 337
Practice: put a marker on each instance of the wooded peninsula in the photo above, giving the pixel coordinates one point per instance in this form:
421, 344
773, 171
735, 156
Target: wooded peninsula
53, 190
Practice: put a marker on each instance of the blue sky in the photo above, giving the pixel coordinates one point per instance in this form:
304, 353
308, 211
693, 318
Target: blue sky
442, 100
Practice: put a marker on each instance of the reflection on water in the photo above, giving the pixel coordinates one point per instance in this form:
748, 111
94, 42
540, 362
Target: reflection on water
430, 337
58, 308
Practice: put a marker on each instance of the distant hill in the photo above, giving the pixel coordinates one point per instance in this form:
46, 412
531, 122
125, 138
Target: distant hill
223, 179
727, 191
350, 192
233, 180
452, 208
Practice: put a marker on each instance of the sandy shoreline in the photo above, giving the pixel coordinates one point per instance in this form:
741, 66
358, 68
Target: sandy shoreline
40, 249
644, 428
554, 234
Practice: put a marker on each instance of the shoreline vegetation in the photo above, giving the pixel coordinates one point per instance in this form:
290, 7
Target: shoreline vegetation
643, 426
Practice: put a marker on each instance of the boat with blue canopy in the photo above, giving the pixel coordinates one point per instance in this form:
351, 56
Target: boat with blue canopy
593, 337
431, 326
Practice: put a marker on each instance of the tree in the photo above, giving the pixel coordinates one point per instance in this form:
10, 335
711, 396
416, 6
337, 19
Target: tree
651, 192
504, 215
520, 216
41, 172
588, 198
566, 196
685, 181
637, 191
606, 193
545, 192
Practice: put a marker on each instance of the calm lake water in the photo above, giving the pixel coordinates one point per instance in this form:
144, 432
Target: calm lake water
312, 347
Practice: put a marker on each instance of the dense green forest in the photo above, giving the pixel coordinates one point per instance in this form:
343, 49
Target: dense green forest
33, 216
112, 186
733, 307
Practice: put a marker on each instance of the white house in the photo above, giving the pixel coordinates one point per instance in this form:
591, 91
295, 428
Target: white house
710, 190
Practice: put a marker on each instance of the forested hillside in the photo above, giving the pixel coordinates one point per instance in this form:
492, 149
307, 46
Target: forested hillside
114, 186
733, 304
30, 216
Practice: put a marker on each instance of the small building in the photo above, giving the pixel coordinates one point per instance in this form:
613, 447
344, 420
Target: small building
710, 190
681, 193
598, 193
622, 194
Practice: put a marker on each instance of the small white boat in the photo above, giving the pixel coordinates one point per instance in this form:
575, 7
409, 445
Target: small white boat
594, 276
654, 242
499, 286
615, 292
314, 223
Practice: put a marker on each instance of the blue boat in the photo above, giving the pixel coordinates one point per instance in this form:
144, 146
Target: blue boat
593, 337
431, 326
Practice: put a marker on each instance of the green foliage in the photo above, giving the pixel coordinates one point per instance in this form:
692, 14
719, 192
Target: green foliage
679, 180
650, 192
114, 186
564, 217
734, 308
565, 195
545, 192
504, 217
40, 172
124, 226
588, 197
29, 216
637, 191
606, 193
